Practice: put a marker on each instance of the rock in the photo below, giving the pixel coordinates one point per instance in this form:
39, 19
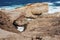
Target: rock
6, 35
12, 15
22, 20
30, 12
43, 27
54, 15
39, 8
33, 9
6, 24
38, 25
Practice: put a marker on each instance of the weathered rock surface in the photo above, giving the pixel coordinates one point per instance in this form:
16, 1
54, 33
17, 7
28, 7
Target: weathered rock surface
6, 24
43, 27
36, 8
25, 20
54, 15
39, 26
30, 11
12, 15
21, 20
5, 35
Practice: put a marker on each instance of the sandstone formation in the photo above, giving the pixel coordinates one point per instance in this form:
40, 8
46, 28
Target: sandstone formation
25, 20
54, 15
5, 35
36, 8
43, 27
12, 15
39, 25
6, 24
30, 11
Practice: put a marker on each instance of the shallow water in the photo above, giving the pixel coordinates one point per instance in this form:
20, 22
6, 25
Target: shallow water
53, 8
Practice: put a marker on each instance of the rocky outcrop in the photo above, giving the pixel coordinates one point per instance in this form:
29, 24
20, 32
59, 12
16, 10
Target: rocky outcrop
43, 27
5, 35
54, 15
6, 24
46, 27
33, 9
30, 11
39, 25
12, 15
25, 20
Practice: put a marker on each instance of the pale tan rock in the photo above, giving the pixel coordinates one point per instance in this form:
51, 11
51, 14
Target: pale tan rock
6, 35
39, 8
46, 28
6, 24
30, 11
43, 27
36, 8
12, 15
54, 15
21, 20
26, 11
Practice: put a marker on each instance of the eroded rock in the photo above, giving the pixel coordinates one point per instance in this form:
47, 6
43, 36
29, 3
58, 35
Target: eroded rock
33, 9
43, 27
6, 35
6, 24
38, 25
54, 15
